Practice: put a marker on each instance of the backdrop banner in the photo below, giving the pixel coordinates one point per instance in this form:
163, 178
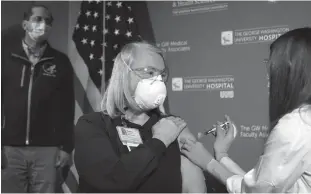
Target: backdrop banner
216, 53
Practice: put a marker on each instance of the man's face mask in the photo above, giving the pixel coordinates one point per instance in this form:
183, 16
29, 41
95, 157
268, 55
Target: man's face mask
38, 31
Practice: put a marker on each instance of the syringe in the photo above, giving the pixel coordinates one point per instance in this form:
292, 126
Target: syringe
224, 126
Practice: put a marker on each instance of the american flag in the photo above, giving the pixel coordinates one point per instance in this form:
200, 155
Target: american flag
93, 45
88, 38
120, 29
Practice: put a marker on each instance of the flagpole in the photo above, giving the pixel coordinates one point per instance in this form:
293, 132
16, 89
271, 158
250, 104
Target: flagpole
103, 85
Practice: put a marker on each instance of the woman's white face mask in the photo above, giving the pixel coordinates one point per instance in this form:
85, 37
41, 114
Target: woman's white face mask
150, 93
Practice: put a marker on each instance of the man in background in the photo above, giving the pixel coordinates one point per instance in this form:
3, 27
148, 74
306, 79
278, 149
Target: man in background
37, 107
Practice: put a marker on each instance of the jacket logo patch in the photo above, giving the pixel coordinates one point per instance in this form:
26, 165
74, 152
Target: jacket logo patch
49, 69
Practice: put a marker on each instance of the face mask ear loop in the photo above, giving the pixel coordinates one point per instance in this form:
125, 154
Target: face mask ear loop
130, 69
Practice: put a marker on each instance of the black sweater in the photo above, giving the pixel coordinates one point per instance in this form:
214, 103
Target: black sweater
105, 165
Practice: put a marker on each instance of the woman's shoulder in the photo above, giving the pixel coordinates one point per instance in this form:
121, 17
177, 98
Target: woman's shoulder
294, 126
92, 117
299, 117
92, 122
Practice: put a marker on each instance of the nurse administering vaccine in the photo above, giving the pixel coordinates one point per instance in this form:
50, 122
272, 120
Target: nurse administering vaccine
285, 165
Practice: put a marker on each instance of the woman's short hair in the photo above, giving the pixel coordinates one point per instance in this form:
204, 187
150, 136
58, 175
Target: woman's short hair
290, 73
117, 96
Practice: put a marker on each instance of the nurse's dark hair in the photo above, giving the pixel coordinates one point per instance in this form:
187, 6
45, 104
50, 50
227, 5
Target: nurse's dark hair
290, 73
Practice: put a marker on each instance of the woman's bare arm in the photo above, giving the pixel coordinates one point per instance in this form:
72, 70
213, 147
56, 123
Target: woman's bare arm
193, 180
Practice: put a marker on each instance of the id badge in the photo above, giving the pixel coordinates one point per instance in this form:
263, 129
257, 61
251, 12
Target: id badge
129, 136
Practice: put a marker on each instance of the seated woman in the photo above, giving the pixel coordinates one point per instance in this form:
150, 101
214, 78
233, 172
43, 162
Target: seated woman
132, 145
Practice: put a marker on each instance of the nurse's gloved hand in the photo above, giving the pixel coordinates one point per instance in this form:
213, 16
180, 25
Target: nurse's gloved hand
224, 139
196, 152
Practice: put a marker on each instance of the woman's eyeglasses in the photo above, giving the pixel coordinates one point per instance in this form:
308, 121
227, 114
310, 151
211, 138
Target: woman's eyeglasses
150, 72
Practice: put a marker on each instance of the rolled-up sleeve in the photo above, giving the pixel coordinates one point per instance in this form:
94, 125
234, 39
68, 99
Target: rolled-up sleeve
98, 164
281, 164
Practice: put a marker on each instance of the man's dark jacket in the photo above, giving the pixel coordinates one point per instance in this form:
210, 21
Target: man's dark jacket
37, 100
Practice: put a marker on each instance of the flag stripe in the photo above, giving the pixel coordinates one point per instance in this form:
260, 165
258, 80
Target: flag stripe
86, 84
71, 182
74, 172
81, 96
66, 189
78, 111
93, 95
73, 168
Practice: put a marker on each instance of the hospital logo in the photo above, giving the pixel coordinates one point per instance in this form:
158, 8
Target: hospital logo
226, 94
177, 84
227, 38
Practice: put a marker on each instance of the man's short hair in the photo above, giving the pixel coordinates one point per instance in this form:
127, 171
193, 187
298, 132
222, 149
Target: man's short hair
29, 13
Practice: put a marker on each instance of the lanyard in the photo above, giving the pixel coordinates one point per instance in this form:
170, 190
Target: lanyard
123, 122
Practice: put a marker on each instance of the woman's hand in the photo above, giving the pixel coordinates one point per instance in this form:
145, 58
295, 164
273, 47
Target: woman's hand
196, 152
168, 129
224, 139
